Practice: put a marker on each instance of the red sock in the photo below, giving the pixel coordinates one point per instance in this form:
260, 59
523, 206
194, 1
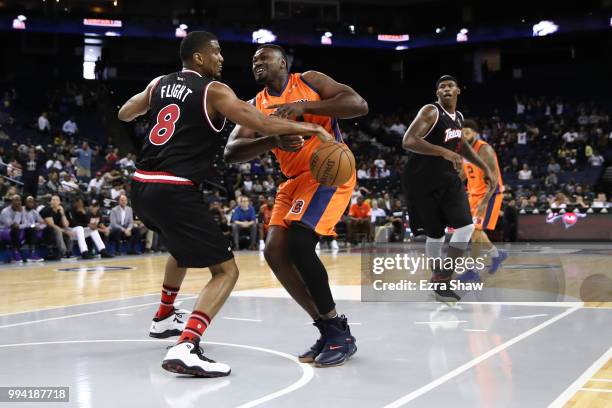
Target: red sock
166, 306
197, 323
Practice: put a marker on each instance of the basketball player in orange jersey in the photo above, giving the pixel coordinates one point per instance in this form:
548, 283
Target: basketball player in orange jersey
485, 201
304, 210
187, 111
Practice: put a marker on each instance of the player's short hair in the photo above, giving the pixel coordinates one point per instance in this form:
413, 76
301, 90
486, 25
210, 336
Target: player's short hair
193, 42
470, 124
446, 78
277, 48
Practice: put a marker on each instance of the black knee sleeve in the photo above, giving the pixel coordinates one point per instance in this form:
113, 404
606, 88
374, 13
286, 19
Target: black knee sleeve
301, 247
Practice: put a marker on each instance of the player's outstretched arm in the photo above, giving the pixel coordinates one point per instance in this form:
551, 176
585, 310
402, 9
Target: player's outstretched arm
420, 126
337, 100
223, 100
138, 104
243, 144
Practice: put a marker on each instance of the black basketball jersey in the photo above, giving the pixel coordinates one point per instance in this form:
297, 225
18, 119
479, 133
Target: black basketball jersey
445, 132
181, 139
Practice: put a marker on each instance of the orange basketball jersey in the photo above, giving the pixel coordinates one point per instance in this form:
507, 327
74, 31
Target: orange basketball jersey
296, 90
475, 176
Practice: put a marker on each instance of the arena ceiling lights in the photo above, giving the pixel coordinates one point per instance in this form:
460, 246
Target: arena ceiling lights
101, 22
393, 37
263, 36
544, 27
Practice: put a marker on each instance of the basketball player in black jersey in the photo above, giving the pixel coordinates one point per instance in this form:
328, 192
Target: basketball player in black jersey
434, 192
187, 110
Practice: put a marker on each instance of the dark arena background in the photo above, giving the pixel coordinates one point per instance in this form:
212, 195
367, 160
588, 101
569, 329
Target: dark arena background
76, 300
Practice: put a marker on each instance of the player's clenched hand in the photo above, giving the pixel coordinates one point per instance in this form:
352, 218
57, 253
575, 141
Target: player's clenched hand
288, 110
454, 158
290, 143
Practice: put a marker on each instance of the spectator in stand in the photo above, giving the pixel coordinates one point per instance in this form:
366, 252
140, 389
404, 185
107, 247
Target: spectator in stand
57, 231
53, 185
83, 225
32, 168
247, 184
596, 160
35, 221
68, 184
14, 170
101, 221
559, 202
127, 163
553, 166
122, 226
44, 126
378, 215
551, 181
525, 173
111, 159
70, 128
84, 156
359, 221
362, 173
384, 172
14, 229
600, 201
95, 184
3, 187
265, 214
397, 219
244, 218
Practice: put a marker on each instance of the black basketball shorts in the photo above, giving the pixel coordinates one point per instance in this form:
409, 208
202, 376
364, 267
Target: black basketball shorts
180, 215
434, 204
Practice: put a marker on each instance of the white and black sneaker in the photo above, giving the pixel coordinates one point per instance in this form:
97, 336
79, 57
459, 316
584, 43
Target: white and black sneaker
187, 358
172, 325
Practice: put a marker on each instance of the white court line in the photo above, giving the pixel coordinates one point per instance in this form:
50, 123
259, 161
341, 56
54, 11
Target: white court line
307, 370
600, 380
82, 314
594, 390
527, 316
242, 319
78, 304
470, 364
443, 322
583, 379
476, 330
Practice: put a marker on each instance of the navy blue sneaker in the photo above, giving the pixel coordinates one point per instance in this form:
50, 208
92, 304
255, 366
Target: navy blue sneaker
339, 346
497, 261
314, 350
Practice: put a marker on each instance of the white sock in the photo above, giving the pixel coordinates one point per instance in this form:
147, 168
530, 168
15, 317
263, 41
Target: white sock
493, 251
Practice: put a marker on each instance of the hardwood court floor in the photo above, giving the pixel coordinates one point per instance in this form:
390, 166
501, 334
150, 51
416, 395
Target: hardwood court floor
520, 353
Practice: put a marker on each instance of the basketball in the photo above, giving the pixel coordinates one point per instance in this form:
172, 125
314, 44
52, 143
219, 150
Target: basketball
332, 164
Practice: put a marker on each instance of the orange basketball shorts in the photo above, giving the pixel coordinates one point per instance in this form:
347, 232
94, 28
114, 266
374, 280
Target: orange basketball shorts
318, 207
488, 221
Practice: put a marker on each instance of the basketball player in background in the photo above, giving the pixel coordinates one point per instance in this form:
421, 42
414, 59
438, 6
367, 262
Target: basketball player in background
303, 210
434, 192
188, 109
485, 201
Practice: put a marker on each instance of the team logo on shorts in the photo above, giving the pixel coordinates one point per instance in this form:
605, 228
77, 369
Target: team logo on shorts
297, 207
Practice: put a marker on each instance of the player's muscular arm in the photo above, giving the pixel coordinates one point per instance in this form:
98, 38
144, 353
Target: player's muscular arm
470, 155
137, 105
413, 139
243, 144
337, 100
487, 154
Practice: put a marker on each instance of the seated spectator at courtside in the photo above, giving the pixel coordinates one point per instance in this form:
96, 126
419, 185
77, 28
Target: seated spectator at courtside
14, 229
57, 232
96, 183
35, 221
244, 218
85, 226
359, 220
70, 128
122, 225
